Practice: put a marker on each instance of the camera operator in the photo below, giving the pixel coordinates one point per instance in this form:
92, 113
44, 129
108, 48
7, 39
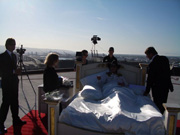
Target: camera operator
110, 58
10, 82
83, 58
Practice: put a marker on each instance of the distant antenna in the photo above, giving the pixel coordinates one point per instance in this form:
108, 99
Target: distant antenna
94, 40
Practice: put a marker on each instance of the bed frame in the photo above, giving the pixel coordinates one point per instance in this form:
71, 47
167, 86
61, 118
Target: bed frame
133, 75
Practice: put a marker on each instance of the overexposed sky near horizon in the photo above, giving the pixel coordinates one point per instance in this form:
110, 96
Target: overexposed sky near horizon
130, 26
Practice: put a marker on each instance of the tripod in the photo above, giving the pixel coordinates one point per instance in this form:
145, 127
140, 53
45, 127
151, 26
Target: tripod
22, 67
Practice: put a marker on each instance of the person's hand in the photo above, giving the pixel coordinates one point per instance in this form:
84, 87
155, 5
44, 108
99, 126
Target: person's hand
18, 71
99, 77
121, 84
145, 93
172, 90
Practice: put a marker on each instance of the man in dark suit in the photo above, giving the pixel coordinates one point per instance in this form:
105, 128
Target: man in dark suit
158, 79
10, 81
110, 58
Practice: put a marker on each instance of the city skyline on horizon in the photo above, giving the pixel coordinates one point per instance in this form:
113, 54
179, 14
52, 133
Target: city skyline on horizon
128, 26
46, 50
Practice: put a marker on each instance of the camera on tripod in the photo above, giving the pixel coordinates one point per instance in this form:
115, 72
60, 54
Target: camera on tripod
95, 38
21, 51
78, 56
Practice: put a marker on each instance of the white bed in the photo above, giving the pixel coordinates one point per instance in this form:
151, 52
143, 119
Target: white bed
120, 111
125, 110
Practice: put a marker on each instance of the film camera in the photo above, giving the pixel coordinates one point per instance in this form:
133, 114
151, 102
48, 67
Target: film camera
95, 38
21, 51
79, 56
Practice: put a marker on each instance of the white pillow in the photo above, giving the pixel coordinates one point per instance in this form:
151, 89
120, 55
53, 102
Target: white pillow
91, 92
137, 89
92, 79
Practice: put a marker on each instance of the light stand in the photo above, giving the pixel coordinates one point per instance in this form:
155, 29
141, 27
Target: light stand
94, 40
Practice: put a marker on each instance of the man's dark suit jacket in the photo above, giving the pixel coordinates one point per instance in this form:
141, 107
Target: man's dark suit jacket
159, 78
7, 66
9, 84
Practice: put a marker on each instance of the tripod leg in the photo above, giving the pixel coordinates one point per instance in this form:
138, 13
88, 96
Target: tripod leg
30, 83
21, 64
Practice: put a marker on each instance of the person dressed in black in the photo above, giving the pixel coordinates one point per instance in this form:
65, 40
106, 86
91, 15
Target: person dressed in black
110, 58
158, 79
51, 80
84, 57
10, 82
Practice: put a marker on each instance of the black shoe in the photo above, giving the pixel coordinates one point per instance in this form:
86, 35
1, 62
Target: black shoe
19, 123
3, 130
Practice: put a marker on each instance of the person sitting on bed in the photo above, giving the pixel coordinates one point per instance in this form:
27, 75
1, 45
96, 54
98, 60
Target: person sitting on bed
51, 80
113, 75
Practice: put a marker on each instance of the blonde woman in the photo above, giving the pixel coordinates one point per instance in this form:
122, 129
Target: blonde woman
50, 77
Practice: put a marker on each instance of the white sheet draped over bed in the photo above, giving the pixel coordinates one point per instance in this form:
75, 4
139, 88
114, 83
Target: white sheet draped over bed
120, 109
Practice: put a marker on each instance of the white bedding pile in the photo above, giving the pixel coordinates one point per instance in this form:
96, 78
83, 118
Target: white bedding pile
118, 109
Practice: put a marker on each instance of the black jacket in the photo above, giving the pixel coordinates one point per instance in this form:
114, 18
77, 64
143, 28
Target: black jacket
7, 66
159, 76
50, 79
108, 59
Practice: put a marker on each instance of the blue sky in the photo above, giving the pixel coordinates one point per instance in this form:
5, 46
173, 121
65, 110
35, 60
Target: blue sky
130, 26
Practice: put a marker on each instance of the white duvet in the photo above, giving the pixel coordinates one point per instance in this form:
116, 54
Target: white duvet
118, 109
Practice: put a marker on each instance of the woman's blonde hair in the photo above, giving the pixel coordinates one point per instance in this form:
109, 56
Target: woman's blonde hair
51, 58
